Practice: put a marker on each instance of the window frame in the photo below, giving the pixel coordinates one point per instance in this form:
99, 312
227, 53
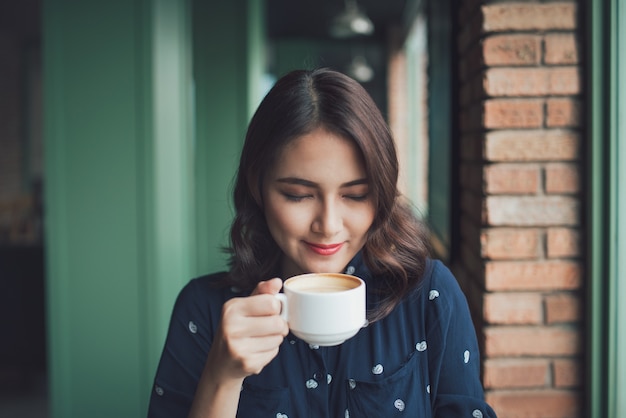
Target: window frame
606, 370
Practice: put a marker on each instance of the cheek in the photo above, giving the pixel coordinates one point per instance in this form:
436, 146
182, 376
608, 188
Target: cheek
361, 221
284, 220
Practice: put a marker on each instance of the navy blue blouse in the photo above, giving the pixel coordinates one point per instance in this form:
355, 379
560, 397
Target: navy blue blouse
421, 360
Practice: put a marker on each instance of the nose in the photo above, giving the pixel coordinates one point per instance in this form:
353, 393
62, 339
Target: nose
328, 219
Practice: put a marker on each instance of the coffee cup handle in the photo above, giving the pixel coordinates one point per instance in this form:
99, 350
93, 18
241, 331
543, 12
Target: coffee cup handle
283, 305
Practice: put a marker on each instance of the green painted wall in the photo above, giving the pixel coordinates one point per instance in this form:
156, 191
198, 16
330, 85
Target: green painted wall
221, 77
145, 106
441, 169
257, 53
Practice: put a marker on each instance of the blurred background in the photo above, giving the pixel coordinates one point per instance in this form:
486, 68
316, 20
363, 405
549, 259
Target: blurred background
121, 124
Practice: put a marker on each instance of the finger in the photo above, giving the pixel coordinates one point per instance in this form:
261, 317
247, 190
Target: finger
263, 345
263, 305
271, 286
258, 305
256, 327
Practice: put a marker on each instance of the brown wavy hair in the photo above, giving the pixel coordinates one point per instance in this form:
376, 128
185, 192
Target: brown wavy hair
396, 248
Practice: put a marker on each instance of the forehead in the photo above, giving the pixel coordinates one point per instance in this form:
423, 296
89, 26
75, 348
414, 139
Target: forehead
320, 151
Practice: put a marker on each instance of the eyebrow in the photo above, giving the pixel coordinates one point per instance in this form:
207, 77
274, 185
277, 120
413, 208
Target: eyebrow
308, 183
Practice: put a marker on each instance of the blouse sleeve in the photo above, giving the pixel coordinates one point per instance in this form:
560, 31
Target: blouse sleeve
454, 358
184, 354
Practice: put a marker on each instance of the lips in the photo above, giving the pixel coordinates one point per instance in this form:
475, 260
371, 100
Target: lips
324, 249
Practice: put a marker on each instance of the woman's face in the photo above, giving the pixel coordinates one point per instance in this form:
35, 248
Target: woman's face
317, 203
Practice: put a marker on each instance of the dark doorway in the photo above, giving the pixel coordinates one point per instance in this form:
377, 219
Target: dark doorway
23, 366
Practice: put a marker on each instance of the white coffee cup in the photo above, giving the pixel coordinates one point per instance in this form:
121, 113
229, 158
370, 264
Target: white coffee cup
323, 309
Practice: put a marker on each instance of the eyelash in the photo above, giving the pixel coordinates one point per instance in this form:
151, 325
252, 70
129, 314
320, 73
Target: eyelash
358, 198
299, 198
295, 198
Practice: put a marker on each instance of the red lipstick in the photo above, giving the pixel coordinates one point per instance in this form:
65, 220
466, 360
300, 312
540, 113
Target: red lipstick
325, 249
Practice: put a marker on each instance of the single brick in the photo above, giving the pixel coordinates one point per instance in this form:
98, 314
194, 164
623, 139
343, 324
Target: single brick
515, 373
562, 178
512, 50
531, 341
563, 242
562, 112
532, 275
567, 373
536, 403
506, 178
531, 145
517, 81
562, 307
531, 210
513, 113
503, 17
564, 81
513, 308
560, 49
511, 243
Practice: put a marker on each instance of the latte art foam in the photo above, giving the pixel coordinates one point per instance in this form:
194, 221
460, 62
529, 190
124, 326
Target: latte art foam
322, 283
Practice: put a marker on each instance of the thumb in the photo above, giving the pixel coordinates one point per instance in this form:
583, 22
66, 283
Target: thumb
271, 287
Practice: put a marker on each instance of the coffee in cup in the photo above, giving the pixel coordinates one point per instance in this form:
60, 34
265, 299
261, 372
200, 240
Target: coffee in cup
323, 309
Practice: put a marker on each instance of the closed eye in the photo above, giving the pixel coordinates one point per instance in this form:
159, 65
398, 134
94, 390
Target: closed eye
357, 198
295, 197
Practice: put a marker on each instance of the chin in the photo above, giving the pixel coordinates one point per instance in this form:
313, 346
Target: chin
326, 268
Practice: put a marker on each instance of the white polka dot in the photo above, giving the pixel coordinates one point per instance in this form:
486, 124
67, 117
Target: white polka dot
192, 327
433, 294
378, 369
314, 347
159, 390
311, 384
281, 415
428, 388
329, 378
477, 413
466, 356
352, 383
292, 342
350, 270
347, 414
235, 289
421, 346
399, 404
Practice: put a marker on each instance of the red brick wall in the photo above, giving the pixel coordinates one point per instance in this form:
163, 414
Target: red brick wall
520, 225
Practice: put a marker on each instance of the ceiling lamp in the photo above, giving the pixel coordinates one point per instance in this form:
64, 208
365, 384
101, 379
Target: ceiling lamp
360, 70
351, 22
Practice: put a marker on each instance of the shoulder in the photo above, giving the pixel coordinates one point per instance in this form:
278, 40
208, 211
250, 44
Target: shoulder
438, 274
208, 281
439, 285
204, 291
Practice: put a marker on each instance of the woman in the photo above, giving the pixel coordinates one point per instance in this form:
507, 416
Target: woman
316, 192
